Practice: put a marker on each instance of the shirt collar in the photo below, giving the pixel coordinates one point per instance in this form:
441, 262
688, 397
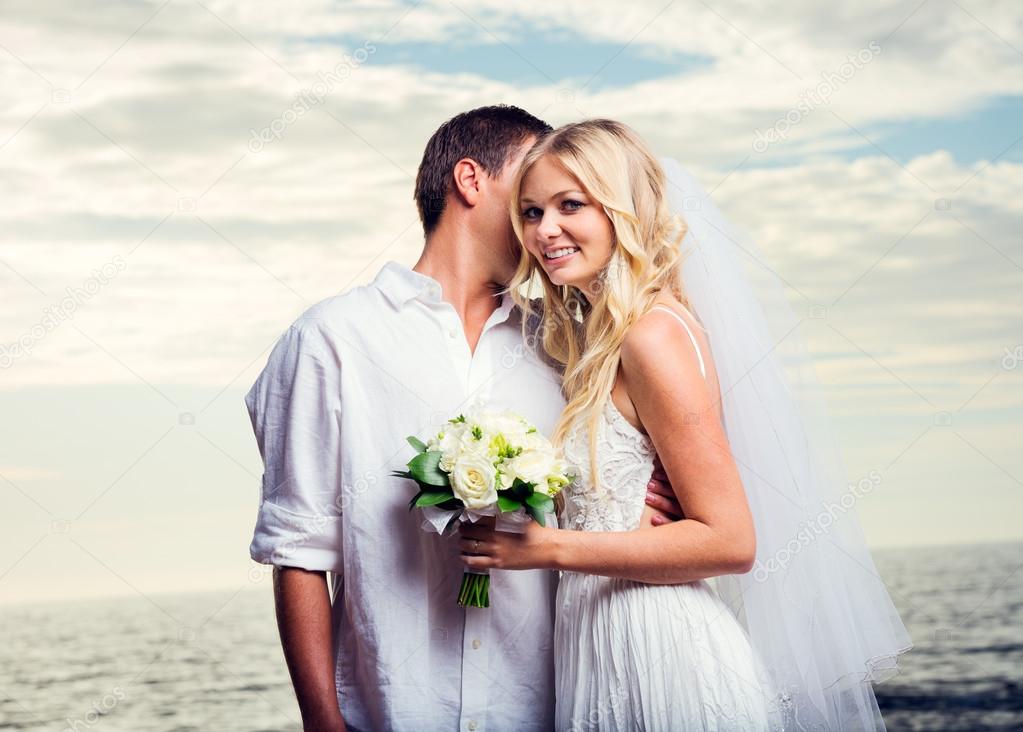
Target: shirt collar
400, 284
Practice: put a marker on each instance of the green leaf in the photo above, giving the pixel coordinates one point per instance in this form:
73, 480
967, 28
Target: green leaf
416, 443
402, 474
507, 503
425, 468
537, 515
521, 489
432, 498
423, 490
540, 502
537, 505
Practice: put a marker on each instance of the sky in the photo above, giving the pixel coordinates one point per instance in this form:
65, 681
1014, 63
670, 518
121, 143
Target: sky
180, 180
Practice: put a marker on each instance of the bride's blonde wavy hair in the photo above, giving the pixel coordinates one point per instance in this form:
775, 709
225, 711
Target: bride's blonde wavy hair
582, 331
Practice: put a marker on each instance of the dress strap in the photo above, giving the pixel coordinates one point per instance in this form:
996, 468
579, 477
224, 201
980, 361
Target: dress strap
678, 317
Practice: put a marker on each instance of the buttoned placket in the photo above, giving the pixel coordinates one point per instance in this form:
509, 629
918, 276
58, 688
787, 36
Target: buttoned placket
475, 669
476, 636
475, 371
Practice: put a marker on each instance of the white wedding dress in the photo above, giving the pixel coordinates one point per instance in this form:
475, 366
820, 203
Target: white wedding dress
634, 656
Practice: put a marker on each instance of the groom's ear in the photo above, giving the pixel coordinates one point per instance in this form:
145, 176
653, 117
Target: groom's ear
467, 179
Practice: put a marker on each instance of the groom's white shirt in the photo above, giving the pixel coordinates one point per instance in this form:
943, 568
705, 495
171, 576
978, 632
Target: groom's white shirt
342, 388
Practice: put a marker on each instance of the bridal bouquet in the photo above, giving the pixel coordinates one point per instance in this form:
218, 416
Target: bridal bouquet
485, 463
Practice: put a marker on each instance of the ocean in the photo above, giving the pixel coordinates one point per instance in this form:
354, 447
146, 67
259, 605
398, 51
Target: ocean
212, 661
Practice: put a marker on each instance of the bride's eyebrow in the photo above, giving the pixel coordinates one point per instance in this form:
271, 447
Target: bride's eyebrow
526, 199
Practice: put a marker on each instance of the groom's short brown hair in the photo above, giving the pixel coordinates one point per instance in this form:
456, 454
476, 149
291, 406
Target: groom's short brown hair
488, 135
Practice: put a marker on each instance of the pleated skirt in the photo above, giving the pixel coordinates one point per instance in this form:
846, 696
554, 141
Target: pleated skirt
633, 656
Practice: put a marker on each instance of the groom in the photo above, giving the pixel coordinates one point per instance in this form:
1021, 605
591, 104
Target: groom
385, 646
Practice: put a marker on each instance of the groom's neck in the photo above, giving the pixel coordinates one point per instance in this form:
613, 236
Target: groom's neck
466, 278
464, 272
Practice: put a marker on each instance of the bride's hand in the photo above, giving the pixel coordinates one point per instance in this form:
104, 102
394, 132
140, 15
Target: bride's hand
483, 547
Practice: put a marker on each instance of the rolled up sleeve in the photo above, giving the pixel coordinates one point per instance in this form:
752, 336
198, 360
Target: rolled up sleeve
295, 409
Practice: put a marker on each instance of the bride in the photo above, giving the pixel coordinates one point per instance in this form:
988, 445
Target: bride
715, 622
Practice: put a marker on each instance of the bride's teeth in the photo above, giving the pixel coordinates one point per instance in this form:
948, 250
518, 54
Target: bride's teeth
557, 254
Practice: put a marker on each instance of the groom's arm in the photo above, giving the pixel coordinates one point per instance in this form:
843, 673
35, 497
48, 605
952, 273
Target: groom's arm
304, 622
295, 410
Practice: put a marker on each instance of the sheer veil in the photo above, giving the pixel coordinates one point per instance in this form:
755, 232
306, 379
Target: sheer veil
814, 606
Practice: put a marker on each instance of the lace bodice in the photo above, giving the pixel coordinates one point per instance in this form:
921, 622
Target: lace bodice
625, 459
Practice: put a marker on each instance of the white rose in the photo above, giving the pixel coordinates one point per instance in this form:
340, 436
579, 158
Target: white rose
482, 445
509, 424
535, 441
473, 480
450, 446
532, 466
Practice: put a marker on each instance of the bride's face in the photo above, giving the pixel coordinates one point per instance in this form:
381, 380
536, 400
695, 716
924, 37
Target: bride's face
563, 228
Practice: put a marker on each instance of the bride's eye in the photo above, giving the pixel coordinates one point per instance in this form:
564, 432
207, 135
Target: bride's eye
532, 213
572, 205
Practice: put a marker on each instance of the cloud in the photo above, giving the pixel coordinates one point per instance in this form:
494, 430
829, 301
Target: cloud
197, 149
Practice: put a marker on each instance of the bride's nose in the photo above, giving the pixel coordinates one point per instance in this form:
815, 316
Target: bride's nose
548, 228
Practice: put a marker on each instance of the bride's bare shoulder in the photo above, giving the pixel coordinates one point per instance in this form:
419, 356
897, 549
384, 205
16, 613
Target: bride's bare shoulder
672, 303
658, 318
658, 335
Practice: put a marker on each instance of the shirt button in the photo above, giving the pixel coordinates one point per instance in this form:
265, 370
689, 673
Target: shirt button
452, 333
476, 643
471, 725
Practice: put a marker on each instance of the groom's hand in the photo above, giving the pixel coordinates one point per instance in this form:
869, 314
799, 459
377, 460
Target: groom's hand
661, 497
